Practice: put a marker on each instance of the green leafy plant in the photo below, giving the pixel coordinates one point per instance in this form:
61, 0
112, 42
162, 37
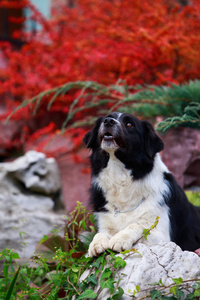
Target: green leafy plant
69, 274
177, 290
6, 282
178, 103
79, 230
11, 287
193, 197
190, 118
44, 275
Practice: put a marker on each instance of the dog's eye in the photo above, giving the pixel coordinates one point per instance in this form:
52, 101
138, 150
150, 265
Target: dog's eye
129, 124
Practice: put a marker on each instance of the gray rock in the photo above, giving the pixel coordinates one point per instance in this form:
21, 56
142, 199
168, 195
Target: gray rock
28, 190
160, 262
36, 172
23, 232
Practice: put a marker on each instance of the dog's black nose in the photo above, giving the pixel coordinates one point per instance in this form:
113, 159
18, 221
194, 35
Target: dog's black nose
109, 122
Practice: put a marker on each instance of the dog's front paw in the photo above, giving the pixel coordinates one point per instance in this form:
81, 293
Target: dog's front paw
98, 245
120, 242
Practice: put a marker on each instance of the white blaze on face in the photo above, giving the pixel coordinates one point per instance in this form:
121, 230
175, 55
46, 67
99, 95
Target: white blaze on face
118, 115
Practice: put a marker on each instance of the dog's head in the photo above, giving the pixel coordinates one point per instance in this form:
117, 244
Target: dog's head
133, 141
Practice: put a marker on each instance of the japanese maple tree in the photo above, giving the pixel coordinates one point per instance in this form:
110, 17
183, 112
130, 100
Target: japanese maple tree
141, 42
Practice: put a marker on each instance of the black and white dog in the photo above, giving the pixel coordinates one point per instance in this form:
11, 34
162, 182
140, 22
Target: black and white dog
131, 186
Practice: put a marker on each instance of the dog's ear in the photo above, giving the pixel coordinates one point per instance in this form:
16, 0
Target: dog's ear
152, 141
91, 137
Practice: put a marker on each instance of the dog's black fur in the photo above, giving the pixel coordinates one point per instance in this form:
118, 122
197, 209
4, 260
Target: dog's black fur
184, 217
137, 144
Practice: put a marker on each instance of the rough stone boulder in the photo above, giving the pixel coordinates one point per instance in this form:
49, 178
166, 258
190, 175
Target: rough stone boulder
30, 194
165, 262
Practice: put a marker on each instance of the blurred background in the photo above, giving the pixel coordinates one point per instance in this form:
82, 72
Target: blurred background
83, 58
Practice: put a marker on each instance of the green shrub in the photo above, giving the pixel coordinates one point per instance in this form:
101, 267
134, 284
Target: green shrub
178, 104
55, 271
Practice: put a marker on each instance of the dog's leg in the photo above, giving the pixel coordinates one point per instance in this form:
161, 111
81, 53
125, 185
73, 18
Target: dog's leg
98, 245
125, 239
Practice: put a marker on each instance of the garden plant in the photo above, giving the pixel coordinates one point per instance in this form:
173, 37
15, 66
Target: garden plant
142, 59
55, 270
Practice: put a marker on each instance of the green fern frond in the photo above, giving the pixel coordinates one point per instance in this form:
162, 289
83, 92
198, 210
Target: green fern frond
190, 118
178, 103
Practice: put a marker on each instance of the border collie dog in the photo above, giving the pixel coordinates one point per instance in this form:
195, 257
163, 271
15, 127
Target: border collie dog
131, 186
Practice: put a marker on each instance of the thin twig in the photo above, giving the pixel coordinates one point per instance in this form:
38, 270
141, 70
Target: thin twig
73, 286
162, 288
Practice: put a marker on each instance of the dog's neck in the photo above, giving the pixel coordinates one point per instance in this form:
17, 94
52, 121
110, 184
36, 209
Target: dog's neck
121, 189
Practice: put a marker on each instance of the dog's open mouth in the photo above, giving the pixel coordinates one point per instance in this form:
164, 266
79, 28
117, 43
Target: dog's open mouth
109, 138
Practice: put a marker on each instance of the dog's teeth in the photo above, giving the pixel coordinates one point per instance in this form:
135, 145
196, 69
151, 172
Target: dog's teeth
108, 137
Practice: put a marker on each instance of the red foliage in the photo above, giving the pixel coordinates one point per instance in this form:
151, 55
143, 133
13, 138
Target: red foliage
140, 42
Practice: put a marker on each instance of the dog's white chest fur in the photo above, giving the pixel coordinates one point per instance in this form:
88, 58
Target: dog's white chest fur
124, 193
116, 182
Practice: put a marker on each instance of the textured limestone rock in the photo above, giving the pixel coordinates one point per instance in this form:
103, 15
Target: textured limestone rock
160, 262
36, 172
30, 190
